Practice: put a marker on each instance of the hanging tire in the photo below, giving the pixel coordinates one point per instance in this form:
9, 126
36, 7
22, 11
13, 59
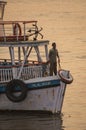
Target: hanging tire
66, 79
16, 90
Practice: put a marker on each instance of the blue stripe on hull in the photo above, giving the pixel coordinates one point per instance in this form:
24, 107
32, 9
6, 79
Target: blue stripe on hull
44, 84
36, 85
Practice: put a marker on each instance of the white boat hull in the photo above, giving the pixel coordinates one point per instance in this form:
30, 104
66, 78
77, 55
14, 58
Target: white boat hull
43, 99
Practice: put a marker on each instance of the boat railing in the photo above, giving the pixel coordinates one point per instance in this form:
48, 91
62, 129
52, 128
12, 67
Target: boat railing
17, 30
28, 72
5, 75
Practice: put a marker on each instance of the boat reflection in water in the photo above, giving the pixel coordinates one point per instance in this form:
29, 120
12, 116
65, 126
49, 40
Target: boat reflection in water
27, 121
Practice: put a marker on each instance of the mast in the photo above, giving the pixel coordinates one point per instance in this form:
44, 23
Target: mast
2, 8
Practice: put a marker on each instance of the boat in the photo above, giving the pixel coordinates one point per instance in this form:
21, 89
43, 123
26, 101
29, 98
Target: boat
25, 82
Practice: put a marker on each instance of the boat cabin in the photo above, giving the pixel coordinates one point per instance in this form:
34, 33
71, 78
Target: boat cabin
20, 50
19, 41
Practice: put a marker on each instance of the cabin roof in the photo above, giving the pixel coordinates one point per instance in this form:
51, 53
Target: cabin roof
13, 22
24, 43
2, 2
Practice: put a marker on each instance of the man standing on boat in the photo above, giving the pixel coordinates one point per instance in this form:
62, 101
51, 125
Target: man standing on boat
53, 55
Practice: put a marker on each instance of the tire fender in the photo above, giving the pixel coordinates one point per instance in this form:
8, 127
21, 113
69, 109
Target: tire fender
66, 79
16, 90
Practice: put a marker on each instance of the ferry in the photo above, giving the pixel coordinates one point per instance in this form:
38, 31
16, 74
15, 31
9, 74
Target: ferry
25, 81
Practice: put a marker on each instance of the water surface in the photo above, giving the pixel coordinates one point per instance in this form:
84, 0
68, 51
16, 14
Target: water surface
64, 22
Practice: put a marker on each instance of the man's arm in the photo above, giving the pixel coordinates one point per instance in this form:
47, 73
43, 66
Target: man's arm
58, 60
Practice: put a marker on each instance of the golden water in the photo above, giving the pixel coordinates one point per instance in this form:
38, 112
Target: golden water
63, 21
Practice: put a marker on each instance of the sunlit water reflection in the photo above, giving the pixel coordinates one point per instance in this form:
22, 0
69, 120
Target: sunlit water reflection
65, 23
